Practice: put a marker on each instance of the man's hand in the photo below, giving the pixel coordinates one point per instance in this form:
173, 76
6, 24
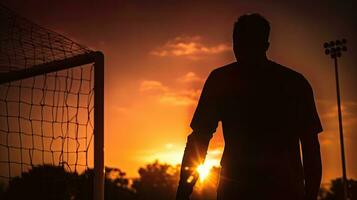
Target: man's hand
187, 182
194, 155
312, 165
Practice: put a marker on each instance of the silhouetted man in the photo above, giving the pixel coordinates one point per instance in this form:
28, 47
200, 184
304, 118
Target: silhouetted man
266, 109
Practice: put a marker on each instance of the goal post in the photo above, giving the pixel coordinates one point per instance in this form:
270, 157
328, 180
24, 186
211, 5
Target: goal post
99, 126
51, 105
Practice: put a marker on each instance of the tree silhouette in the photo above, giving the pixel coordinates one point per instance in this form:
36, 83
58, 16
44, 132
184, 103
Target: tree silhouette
43, 182
157, 181
2, 190
336, 190
160, 181
117, 185
49, 182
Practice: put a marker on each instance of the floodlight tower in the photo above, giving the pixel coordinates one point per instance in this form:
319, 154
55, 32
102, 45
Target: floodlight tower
334, 49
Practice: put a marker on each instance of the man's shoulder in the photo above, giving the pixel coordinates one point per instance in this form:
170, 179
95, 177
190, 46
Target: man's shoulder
288, 72
285, 70
289, 75
279, 68
225, 69
285, 73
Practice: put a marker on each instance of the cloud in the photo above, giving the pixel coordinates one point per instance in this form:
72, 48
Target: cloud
215, 152
190, 77
214, 155
172, 154
329, 117
348, 109
151, 85
190, 47
182, 98
165, 95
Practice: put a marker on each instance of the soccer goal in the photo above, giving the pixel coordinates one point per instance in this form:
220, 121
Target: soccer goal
51, 107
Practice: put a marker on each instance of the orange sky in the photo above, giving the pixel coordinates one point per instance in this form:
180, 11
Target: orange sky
159, 54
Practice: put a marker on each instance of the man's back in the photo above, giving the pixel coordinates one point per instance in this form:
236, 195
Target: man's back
259, 107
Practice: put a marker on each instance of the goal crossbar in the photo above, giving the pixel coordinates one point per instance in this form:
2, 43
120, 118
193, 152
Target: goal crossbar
49, 67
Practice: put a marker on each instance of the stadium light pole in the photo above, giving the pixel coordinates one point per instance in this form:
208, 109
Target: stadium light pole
334, 48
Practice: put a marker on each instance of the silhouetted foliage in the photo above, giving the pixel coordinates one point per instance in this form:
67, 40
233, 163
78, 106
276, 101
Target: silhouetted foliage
160, 181
336, 190
43, 182
54, 182
2, 190
156, 181
117, 185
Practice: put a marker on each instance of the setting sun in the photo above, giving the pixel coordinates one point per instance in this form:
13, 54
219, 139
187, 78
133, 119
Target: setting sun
204, 169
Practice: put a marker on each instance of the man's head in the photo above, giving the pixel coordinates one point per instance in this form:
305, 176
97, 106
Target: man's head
251, 37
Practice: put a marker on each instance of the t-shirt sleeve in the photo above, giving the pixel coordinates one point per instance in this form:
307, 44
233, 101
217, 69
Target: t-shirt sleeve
307, 116
206, 116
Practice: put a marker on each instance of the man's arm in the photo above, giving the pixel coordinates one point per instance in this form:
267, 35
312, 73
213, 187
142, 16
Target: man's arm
204, 124
194, 155
312, 165
310, 126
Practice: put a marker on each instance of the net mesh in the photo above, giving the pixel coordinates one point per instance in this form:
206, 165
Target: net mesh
47, 118
24, 44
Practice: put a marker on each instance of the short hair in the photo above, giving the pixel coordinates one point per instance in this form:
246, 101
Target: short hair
249, 24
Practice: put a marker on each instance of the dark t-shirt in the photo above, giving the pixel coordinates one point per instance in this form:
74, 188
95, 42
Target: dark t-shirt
264, 111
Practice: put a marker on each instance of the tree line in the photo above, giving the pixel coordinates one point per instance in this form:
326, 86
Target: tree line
156, 181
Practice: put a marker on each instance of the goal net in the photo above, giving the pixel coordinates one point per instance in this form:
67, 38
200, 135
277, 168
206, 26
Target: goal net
51, 111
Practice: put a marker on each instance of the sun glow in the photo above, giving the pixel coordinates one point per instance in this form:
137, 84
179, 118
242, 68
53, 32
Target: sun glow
205, 169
